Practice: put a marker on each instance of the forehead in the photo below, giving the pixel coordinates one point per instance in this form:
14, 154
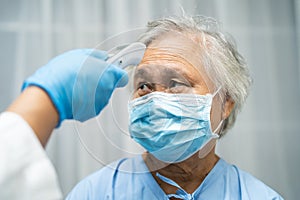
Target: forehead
173, 54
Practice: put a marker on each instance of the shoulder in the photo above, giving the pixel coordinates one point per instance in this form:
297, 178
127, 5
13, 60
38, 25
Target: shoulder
252, 188
98, 183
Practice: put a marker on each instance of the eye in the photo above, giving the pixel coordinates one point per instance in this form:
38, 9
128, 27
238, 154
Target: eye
176, 83
177, 86
144, 88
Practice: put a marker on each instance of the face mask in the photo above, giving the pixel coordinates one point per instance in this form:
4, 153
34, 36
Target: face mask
172, 127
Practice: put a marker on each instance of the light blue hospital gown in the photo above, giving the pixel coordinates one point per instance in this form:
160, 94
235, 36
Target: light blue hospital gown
224, 181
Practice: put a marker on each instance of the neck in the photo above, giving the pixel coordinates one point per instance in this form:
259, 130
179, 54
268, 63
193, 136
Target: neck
189, 174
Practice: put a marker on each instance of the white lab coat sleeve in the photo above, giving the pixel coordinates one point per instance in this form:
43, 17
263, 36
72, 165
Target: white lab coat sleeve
25, 170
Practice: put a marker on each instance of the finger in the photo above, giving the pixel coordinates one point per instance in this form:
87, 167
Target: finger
121, 75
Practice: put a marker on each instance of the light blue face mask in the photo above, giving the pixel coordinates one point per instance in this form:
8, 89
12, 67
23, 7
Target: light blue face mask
172, 127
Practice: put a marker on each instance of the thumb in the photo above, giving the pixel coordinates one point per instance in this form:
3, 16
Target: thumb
121, 76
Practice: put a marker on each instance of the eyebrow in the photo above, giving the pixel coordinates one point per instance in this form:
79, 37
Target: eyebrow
146, 73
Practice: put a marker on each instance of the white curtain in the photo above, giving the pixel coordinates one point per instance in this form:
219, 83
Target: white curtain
265, 139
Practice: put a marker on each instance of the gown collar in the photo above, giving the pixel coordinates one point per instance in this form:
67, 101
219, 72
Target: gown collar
149, 180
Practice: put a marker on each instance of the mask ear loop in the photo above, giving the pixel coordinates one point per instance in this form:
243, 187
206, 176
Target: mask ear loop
221, 122
216, 92
212, 142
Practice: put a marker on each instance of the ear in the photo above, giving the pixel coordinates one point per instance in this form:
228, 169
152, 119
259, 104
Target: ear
228, 107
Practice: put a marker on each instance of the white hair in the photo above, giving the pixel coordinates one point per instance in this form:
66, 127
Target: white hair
220, 58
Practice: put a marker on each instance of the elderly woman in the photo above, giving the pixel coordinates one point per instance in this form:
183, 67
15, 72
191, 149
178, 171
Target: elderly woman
188, 90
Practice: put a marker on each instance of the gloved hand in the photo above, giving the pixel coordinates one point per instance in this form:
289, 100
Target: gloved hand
79, 83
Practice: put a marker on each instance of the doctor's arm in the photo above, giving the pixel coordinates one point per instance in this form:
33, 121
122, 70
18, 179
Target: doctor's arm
37, 109
75, 85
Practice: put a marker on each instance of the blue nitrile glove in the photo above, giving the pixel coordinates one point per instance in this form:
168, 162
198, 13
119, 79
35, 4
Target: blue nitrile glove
79, 83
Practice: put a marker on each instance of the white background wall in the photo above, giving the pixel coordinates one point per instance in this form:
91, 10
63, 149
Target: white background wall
265, 140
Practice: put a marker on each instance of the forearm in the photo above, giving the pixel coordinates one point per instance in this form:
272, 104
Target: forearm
37, 109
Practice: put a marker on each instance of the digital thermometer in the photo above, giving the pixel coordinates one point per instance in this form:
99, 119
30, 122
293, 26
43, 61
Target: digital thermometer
130, 55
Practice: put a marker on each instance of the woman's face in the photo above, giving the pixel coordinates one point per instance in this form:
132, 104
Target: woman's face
172, 64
